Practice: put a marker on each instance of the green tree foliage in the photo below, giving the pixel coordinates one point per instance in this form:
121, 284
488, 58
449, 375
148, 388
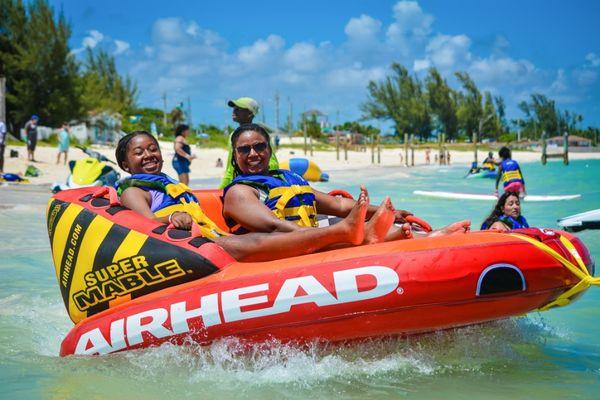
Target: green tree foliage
144, 121
442, 102
103, 88
400, 98
542, 115
313, 128
357, 127
35, 57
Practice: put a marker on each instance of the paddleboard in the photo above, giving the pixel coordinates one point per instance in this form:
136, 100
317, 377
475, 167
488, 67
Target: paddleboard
579, 222
473, 196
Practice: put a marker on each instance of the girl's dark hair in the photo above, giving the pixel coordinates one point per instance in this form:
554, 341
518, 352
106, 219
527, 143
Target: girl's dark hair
180, 129
121, 151
498, 210
246, 128
504, 153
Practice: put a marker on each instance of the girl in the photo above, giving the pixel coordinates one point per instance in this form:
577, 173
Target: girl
506, 215
158, 197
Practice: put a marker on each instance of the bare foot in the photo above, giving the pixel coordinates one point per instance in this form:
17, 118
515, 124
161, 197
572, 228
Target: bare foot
354, 223
456, 227
397, 232
378, 226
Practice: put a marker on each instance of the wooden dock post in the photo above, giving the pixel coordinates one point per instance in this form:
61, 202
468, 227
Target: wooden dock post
378, 150
412, 150
564, 155
406, 149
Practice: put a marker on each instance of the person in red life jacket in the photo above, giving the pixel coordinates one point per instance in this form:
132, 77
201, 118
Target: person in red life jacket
264, 200
158, 197
506, 214
510, 173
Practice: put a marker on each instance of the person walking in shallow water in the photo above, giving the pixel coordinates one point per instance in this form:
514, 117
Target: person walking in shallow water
2, 144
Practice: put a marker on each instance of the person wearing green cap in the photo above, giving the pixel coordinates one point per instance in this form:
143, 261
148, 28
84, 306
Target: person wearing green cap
244, 111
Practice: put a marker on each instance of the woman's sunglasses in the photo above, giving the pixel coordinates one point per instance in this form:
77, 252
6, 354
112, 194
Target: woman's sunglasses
246, 149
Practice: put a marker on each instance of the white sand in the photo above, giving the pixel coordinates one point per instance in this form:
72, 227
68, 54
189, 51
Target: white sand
204, 165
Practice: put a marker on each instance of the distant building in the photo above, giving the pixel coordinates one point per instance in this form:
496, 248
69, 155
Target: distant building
350, 138
574, 141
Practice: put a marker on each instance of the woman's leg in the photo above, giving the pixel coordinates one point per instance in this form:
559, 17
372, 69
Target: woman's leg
271, 246
184, 178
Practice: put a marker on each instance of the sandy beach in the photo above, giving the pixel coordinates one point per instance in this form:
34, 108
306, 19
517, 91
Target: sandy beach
204, 165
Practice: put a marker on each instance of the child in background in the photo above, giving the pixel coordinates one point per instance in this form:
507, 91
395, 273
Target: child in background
511, 175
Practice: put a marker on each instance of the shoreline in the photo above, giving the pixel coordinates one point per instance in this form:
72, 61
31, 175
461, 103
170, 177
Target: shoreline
203, 167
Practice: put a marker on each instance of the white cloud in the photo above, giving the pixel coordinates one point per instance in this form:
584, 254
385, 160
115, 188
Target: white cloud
410, 20
355, 76
364, 28
449, 52
593, 59
260, 51
502, 71
421, 65
94, 37
122, 47
302, 57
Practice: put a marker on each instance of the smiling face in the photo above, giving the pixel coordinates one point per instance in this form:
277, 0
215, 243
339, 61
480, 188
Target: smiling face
252, 153
512, 207
143, 156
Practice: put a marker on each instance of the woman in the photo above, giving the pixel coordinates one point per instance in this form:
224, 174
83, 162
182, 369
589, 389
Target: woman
259, 200
158, 197
506, 215
183, 154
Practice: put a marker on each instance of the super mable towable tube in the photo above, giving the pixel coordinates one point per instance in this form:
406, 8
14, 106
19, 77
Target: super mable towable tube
131, 283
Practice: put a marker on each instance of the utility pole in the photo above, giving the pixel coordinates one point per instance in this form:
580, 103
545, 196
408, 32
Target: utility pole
3, 101
276, 112
164, 97
189, 111
290, 119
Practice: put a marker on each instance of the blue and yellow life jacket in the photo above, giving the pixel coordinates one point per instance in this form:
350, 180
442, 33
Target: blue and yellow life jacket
287, 194
511, 222
178, 197
511, 172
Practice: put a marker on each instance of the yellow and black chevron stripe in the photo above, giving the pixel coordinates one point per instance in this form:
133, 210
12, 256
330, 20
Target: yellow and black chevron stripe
84, 242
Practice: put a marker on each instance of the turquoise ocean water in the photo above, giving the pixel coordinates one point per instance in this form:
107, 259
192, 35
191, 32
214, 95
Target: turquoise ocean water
551, 355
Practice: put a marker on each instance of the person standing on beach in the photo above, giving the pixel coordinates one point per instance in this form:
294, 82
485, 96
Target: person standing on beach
31, 133
2, 144
427, 156
244, 111
64, 141
183, 154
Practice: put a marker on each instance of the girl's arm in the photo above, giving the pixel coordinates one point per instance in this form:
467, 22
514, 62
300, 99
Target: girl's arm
243, 206
138, 200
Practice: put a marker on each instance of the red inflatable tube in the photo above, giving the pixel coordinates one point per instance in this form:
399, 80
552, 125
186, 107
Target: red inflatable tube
399, 287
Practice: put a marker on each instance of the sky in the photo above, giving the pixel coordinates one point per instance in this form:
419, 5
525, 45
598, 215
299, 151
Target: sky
322, 54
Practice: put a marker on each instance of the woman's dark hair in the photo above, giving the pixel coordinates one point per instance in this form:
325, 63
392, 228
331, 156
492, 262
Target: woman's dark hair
504, 153
247, 128
121, 151
180, 129
498, 210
